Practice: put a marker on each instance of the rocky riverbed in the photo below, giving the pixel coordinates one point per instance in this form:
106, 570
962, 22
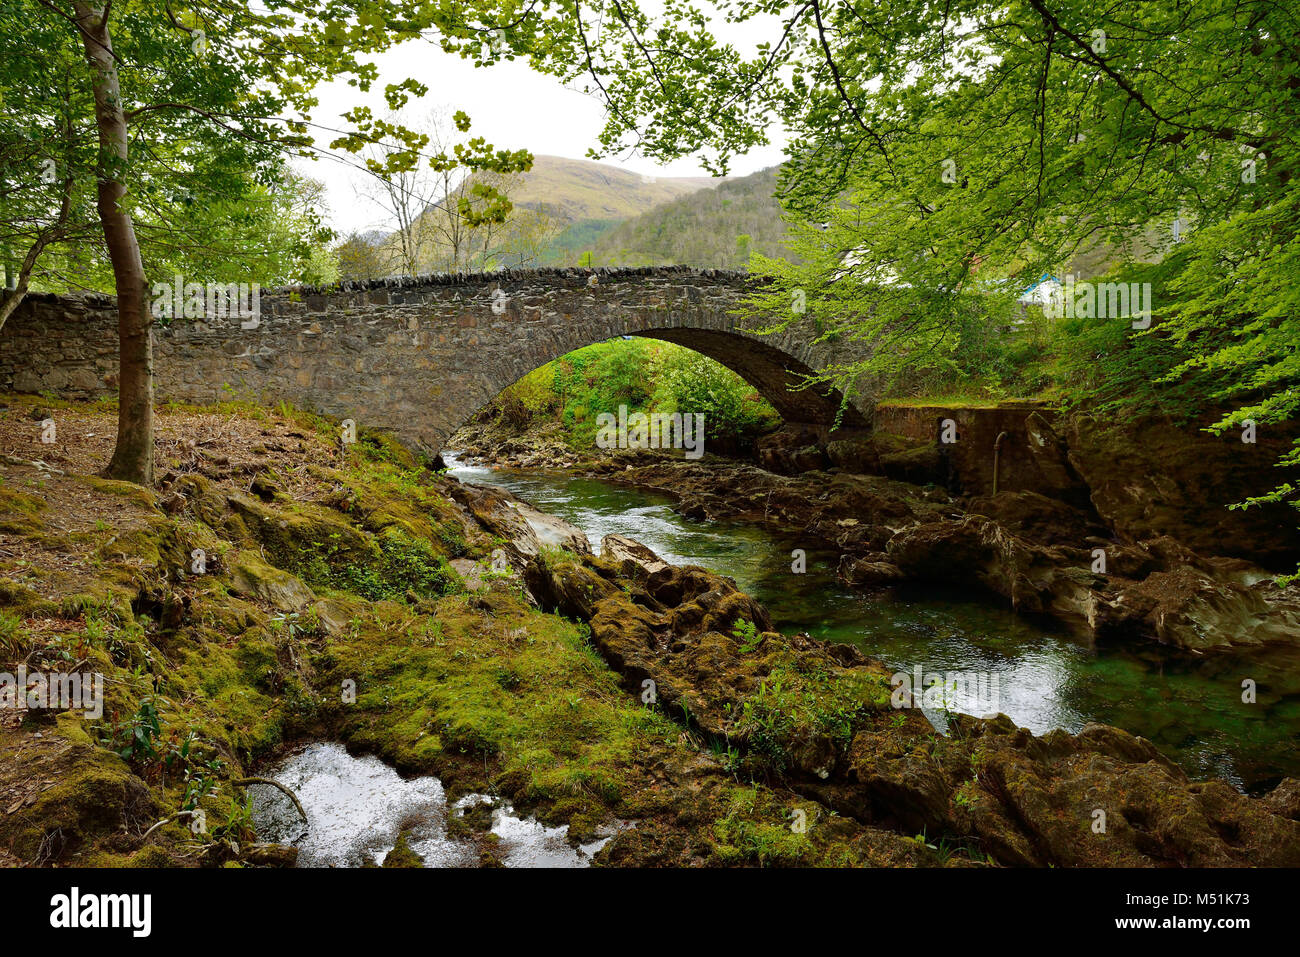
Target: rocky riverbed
822, 717
1157, 558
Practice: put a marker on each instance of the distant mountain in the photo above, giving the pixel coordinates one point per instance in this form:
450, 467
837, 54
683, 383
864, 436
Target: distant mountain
714, 228
580, 190
561, 207
577, 212
719, 227
590, 199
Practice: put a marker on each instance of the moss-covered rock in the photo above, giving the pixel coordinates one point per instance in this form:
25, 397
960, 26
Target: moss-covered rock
253, 578
401, 855
330, 610
76, 794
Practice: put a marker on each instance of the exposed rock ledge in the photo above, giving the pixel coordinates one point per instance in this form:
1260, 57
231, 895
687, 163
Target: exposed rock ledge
821, 716
1044, 556
1121, 530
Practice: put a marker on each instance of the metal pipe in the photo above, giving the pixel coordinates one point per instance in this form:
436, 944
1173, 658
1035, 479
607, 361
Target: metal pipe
997, 454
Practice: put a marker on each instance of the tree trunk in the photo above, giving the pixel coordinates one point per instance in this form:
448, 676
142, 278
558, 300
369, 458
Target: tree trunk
133, 457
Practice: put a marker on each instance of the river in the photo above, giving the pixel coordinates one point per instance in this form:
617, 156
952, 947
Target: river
1191, 708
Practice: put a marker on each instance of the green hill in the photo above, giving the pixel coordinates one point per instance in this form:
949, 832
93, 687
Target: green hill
715, 228
561, 208
576, 212
589, 200
580, 190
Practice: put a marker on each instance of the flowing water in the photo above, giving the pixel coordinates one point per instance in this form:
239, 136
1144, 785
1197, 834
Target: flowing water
357, 807
1042, 678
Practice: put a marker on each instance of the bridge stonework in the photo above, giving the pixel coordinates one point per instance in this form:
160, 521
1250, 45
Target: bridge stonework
419, 356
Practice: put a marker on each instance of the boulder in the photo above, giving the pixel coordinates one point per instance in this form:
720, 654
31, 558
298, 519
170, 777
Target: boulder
253, 578
334, 617
1101, 797
869, 572
1036, 518
860, 456
271, 855
1104, 797
698, 646
525, 530
634, 559
1189, 609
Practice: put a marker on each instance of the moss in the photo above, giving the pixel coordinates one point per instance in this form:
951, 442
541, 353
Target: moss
20, 513
757, 830
305, 540
790, 706
254, 578
22, 600
402, 565
204, 499
486, 691
93, 795
380, 495
470, 823
150, 856
141, 545
233, 693
386, 447
890, 442
135, 494
561, 731
401, 855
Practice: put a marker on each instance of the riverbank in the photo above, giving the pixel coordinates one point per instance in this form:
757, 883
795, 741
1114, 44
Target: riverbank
1122, 534
351, 595
1189, 705
345, 597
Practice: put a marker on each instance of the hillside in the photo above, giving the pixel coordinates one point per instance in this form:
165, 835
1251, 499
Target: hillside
578, 212
706, 228
577, 190
719, 227
561, 208
587, 200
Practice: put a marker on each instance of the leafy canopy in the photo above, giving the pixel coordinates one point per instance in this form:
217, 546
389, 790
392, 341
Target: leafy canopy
217, 95
945, 156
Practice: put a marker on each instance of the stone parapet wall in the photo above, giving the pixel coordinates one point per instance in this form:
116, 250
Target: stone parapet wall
417, 356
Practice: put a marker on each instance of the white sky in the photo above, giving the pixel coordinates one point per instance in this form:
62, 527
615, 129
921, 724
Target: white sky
510, 105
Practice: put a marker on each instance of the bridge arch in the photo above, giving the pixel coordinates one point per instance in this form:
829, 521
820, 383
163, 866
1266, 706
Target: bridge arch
419, 356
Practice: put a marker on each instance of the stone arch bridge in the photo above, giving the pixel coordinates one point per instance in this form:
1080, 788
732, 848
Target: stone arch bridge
419, 356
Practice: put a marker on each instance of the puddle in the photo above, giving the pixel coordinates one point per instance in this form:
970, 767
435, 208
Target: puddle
357, 807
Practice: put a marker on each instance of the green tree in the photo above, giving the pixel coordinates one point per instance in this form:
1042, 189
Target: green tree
361, 257
691, 383
944, 156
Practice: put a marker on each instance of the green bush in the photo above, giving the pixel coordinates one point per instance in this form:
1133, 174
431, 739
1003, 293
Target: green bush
692, 383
